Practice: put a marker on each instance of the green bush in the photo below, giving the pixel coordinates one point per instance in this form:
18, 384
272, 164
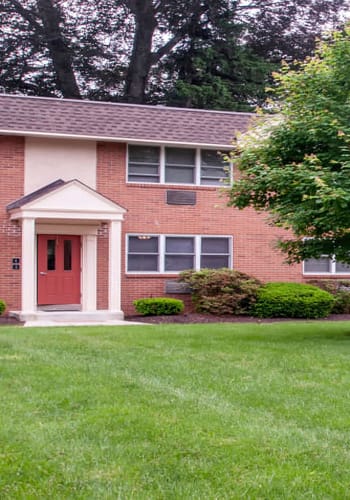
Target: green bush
340, 289
158, 306
292, 300
2, 306
221, 291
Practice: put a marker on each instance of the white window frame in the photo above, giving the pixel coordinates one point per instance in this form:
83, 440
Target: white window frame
197, 167
333, 268
162, 253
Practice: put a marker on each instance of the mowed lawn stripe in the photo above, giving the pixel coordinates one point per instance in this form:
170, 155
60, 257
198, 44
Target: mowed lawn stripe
176, 411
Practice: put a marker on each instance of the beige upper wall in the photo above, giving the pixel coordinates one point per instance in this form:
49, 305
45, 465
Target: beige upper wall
47, 160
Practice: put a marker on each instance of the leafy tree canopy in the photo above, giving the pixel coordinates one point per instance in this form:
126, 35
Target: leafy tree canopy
295, 160
203, 53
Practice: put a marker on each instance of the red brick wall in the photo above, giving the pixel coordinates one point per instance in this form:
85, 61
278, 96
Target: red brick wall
147, 212
11, 188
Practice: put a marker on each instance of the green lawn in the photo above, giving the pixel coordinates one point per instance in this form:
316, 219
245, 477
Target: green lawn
253, 411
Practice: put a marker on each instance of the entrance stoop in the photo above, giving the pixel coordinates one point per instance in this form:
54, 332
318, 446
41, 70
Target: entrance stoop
71, 318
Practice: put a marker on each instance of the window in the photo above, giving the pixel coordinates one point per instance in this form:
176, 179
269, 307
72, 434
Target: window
171, 165
172, 254
143, 164
215, 253
143, 253
213, 168
325, 265
179, 253
180, 166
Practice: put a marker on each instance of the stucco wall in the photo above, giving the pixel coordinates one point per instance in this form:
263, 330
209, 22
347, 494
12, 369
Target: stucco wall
47, 160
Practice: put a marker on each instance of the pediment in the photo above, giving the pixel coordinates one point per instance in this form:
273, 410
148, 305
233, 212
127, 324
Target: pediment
72, 198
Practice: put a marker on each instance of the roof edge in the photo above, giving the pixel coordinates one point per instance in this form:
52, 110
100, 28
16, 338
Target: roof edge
53, 135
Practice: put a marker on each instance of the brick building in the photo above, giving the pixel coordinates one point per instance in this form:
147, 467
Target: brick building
104, 203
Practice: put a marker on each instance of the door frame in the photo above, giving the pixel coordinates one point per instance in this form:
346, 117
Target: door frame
88, 258
58, 272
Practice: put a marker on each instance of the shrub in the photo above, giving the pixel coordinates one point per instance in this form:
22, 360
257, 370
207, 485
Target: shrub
2, 306
158, 306
292, 300
221, 291
340, 289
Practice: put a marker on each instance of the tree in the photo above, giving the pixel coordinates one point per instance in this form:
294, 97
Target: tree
295, 160
198, 53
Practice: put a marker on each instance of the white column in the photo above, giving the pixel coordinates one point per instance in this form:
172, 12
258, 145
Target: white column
114, 268
29, 267
89, 272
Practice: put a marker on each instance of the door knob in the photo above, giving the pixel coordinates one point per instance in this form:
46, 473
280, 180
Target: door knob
42, 273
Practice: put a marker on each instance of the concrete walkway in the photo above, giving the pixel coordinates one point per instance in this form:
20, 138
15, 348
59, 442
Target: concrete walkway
46, 323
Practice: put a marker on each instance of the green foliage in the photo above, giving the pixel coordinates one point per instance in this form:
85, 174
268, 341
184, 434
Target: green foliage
295, 163
292, 300
340, 289
158, 306
2, 306
221, 291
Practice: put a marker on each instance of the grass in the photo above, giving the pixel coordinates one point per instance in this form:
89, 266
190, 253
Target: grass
253, 411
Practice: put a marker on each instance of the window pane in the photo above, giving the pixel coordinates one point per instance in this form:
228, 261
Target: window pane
51, 255
143, 179
178, 262
211, 172
215, 245
321, 265
341, 267
179, 156
179, 175
143, 244
179, 245
211, 158
138, 262
214, 261
143, 164
145, 169
144, 154
67, 255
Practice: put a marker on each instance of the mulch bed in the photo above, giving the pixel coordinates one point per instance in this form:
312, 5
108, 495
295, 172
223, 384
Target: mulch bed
7, 320
193, 318
208, 318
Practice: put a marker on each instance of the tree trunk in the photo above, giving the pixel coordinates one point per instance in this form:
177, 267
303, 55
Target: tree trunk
141, 56
59, 49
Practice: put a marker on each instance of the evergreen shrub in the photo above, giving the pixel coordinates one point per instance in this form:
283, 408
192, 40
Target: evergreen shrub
157, 306
292, 300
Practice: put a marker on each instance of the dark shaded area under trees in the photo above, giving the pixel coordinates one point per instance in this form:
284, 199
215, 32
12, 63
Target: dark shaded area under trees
201, 53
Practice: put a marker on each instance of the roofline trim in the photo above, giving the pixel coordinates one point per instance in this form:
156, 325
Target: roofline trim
110, 139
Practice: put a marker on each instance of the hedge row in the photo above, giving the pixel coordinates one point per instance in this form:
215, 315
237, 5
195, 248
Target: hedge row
229, 292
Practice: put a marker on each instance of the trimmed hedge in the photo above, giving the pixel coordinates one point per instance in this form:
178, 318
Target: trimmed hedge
158, 306
2, 306
292, 300
221, 291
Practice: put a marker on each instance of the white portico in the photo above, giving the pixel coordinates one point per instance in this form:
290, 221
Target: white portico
59, 228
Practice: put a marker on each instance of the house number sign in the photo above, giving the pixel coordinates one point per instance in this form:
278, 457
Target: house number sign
16, 263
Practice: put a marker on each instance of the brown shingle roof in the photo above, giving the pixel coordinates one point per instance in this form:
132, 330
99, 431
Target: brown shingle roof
64, 117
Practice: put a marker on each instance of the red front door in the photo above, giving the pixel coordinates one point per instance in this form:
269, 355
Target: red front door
58, 269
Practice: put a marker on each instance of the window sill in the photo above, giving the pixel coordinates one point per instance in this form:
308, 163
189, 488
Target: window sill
175, 186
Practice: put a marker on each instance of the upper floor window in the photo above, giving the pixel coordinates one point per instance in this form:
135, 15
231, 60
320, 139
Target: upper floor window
325, 265
171, 165
171, 254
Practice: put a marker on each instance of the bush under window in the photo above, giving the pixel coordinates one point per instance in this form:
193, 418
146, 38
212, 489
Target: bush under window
292, 300
221, 291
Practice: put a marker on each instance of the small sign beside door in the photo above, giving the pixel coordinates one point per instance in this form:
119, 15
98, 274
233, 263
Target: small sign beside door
16, 263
